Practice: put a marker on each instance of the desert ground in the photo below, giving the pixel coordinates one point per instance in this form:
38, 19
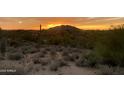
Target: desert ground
48, 60
45, 60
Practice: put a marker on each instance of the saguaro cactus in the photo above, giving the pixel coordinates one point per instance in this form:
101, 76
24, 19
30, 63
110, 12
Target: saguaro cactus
40, 27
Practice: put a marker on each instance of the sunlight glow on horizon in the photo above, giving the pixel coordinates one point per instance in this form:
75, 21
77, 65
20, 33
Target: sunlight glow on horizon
48, 22
53, 25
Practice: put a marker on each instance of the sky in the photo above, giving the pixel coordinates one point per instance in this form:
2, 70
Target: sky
48, 22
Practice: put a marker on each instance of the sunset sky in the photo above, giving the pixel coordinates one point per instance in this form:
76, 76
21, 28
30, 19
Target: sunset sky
47, 22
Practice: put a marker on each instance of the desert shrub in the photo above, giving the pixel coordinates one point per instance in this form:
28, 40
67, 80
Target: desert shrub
11, 50
33, 50
29, 49
60, 49
65, 53
48, 49
53, 54
68, 58
80, 63
89, 60
110, 48
3, 46
54, 66
62, 63
44, 63
36, 61
14, 43
2, 58
93, 59
41, 54
44, 52
74, 56
15, 56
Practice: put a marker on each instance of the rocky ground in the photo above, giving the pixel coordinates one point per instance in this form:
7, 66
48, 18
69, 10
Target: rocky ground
46, 60
32, 59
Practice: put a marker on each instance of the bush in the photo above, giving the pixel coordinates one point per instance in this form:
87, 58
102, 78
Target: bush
89, 60
11, 50
14, 43
44, 63
15, 56
110, 48
92, 60
3, 46
55, 65
29, 49
36, 61
2, 58
80, 63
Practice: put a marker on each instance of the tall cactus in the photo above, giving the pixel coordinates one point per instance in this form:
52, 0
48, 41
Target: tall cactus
40, 27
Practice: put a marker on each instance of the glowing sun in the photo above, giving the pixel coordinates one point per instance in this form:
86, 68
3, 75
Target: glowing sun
20, 22
53, 25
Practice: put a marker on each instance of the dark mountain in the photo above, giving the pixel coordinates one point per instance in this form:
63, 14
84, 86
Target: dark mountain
64, 28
